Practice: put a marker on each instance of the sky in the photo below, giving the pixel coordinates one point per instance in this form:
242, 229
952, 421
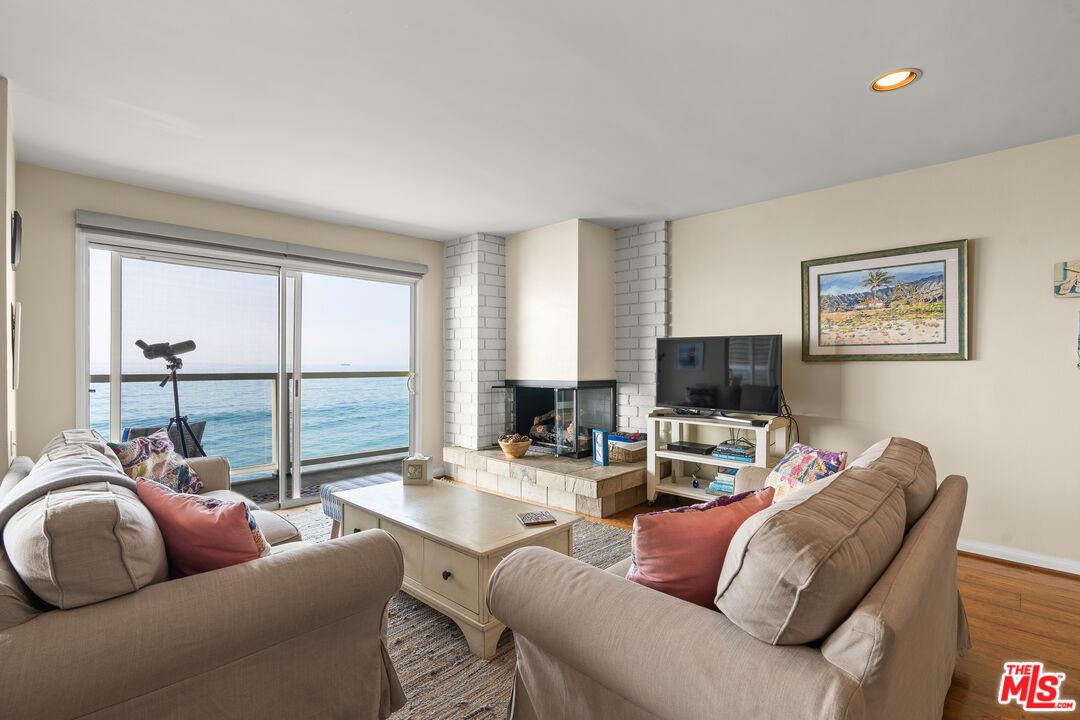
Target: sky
851, 282
232, 317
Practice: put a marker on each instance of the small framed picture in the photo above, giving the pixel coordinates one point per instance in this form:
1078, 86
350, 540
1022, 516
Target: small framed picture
600, 447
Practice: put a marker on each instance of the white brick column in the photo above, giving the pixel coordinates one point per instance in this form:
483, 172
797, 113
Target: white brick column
642, 303
474, 340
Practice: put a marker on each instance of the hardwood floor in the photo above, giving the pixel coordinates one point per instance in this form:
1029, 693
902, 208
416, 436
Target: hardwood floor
1015, 612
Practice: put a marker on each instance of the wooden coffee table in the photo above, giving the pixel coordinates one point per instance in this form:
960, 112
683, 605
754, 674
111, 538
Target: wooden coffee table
452, 537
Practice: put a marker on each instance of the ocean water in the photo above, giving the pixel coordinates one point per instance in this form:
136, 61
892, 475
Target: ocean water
339, 415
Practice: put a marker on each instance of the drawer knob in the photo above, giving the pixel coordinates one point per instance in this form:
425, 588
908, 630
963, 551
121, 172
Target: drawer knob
445, 574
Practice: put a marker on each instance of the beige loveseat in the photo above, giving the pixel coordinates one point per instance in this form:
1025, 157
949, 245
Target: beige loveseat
296, 634
591, 644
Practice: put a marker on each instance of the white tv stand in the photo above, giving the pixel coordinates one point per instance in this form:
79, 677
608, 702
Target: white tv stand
771, 442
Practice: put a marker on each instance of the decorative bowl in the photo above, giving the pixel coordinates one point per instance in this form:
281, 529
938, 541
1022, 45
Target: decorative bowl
515, 450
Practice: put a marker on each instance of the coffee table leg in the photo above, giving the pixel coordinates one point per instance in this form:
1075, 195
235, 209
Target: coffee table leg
482, 642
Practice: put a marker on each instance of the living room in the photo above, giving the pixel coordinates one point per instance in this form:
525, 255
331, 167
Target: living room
578, 361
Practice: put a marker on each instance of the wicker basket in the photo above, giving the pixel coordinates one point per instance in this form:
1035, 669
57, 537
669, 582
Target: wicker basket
618, 452
515, 450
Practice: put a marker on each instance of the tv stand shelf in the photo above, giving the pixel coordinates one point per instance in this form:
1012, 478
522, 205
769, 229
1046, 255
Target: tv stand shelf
771, 442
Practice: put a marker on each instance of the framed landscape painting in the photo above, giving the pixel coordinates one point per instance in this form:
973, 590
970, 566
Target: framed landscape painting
903, 304
1067, 279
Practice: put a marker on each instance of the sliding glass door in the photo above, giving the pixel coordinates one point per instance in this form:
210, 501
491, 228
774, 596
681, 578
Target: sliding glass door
353, 343
227, 383
298, 377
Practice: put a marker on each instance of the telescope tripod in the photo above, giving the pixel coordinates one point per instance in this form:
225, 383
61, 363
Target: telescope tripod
180, 421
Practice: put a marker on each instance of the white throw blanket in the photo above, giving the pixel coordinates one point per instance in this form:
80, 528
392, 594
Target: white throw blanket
59, 474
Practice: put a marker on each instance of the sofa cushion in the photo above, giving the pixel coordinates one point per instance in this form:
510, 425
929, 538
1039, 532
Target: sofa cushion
275, 528
910, 464
680, 551
202, 533
17, 605
154, 458
620, 568
77, 443
86, 543
795, 570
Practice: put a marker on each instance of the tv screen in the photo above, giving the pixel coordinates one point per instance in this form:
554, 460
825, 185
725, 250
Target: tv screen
734, 374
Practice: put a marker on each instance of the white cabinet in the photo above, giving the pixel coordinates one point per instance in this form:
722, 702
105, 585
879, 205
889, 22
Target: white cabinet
669, 470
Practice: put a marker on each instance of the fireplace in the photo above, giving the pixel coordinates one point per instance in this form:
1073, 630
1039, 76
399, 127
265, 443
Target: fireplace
560, 417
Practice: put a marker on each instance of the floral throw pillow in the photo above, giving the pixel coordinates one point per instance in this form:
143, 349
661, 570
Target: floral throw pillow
802, 465
153, 457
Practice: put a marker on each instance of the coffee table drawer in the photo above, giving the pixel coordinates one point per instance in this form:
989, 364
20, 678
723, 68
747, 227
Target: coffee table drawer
356, 520
412, 546
452, 574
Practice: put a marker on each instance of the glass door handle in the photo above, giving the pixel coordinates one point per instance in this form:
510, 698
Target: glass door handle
411, 383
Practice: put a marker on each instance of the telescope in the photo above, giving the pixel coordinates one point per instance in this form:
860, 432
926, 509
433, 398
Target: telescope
169, 352
165, 350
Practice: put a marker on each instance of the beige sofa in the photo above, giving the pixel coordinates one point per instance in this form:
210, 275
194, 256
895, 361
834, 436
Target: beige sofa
591, 644
296, 634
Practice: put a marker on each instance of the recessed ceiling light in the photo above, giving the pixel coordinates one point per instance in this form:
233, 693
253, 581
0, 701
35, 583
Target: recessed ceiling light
896, 79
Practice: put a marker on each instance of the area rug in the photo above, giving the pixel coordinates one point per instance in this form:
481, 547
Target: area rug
441, 678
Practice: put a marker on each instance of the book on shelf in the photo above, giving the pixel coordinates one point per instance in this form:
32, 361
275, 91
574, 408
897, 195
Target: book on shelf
721, 487
529, 519
734, 458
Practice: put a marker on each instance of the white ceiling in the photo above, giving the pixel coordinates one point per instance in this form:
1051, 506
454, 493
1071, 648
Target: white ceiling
438, 118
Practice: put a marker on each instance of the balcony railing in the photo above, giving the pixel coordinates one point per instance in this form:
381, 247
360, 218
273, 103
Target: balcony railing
272, 466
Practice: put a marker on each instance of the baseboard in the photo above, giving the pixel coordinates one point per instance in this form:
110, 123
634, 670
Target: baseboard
1050, 562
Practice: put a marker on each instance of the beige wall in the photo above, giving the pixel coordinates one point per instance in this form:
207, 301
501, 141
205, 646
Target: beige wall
542, 303
596, 302
48, 200
1006, 419
7, 277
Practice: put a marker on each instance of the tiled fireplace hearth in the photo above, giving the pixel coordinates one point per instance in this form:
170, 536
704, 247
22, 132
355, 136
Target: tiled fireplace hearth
578, 485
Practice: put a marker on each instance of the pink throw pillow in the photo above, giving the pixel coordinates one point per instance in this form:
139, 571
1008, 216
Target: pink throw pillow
681, 552
202, 533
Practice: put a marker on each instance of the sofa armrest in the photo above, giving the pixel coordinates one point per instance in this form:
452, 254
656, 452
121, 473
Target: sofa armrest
212, 470
167, 633
669, 657
20, 468
750, 478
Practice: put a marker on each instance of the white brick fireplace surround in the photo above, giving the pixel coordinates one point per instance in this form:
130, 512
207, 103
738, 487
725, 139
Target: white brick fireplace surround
475, 329
642, 306
475, 347
474, 340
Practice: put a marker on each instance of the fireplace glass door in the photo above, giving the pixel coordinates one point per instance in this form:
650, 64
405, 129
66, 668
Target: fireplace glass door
568, 440
560, 421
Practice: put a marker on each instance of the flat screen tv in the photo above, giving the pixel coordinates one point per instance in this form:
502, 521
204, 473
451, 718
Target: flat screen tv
724, 374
